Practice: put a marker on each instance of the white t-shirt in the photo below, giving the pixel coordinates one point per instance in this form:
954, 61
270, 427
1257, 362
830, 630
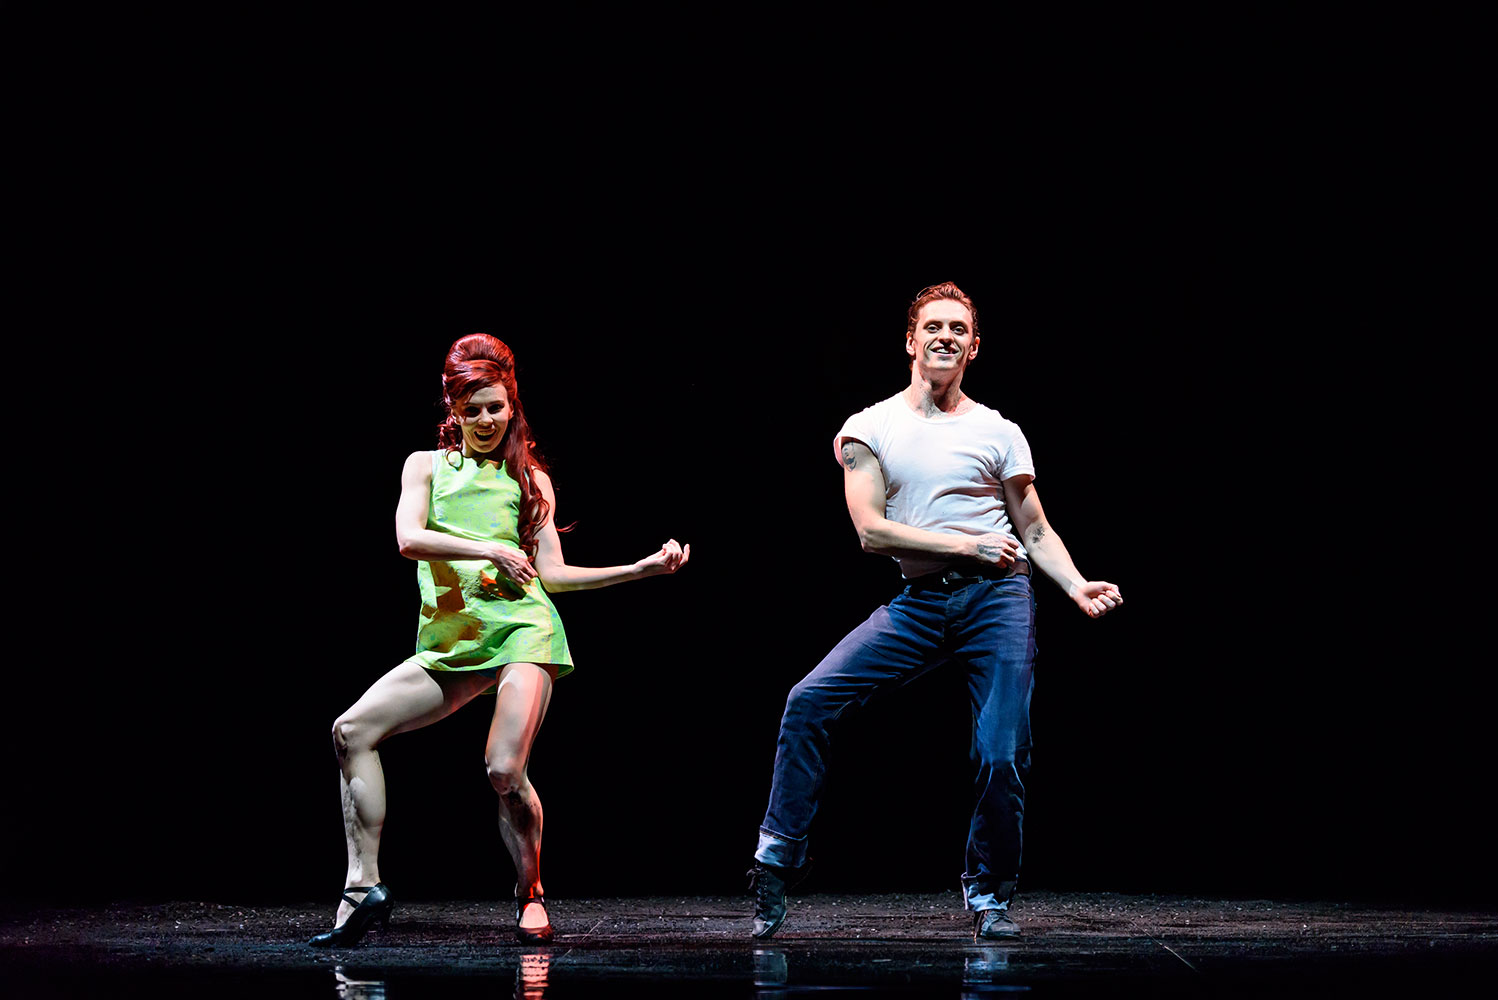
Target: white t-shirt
942, 474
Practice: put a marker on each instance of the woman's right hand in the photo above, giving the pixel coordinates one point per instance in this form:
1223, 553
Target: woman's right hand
513, 564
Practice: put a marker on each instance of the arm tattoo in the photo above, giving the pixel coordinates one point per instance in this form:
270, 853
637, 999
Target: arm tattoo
1036, 534
850, 461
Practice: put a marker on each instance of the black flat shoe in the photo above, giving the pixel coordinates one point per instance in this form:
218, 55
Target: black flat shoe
529, 936
376, 905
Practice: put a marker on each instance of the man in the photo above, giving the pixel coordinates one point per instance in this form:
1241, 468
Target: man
945, 486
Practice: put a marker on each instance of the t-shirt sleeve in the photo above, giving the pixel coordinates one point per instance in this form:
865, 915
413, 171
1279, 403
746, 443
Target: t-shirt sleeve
860, 427
1017, 460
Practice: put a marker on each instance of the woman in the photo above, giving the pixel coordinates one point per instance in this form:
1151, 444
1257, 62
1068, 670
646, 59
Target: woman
477, 515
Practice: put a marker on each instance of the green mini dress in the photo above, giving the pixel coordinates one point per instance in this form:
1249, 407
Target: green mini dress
474, 618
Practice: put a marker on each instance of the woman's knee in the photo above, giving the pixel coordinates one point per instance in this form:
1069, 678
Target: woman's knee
350, 735
506, 774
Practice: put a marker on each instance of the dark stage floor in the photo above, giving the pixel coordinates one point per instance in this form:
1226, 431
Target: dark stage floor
908, 945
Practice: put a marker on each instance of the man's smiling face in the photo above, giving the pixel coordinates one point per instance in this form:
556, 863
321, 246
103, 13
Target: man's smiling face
943, 339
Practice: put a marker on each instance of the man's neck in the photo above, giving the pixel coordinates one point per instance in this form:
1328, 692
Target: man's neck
935, 399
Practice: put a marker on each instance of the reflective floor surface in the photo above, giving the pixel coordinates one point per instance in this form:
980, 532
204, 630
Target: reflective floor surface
865, 946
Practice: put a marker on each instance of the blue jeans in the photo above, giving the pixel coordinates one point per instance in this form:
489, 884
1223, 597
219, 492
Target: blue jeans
985, 626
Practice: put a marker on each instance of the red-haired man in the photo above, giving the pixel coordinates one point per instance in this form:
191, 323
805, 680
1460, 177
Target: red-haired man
945, 486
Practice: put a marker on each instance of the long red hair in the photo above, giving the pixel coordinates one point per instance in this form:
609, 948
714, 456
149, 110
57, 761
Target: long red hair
476, 362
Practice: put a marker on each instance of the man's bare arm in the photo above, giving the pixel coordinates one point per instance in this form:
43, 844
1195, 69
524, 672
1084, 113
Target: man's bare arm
1095, 597
864, 489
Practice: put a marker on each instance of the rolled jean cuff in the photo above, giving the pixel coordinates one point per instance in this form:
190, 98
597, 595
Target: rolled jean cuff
979, 893
779, 850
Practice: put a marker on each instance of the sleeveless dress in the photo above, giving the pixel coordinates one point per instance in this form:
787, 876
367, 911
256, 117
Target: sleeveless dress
473, 618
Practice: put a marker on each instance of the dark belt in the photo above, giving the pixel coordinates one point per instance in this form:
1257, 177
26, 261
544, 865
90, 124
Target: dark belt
959, 576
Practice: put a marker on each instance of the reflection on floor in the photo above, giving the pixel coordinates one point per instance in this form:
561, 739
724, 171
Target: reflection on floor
897, 945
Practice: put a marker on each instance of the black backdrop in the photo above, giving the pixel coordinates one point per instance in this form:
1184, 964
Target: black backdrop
1199, 354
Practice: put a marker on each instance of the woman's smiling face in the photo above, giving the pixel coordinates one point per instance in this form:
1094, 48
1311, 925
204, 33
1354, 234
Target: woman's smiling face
483, 418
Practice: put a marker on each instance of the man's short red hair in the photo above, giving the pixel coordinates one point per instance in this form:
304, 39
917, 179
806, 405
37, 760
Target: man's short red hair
945, 290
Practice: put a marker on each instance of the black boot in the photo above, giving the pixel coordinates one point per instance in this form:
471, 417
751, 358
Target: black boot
769, 884
994, 925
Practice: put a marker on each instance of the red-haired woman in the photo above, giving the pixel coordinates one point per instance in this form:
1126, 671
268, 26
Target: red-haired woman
477, 515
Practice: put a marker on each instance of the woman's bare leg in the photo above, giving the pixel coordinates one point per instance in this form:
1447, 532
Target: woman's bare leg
406, 698
524, 693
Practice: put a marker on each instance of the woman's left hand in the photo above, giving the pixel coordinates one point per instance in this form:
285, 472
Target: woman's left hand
672, 557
